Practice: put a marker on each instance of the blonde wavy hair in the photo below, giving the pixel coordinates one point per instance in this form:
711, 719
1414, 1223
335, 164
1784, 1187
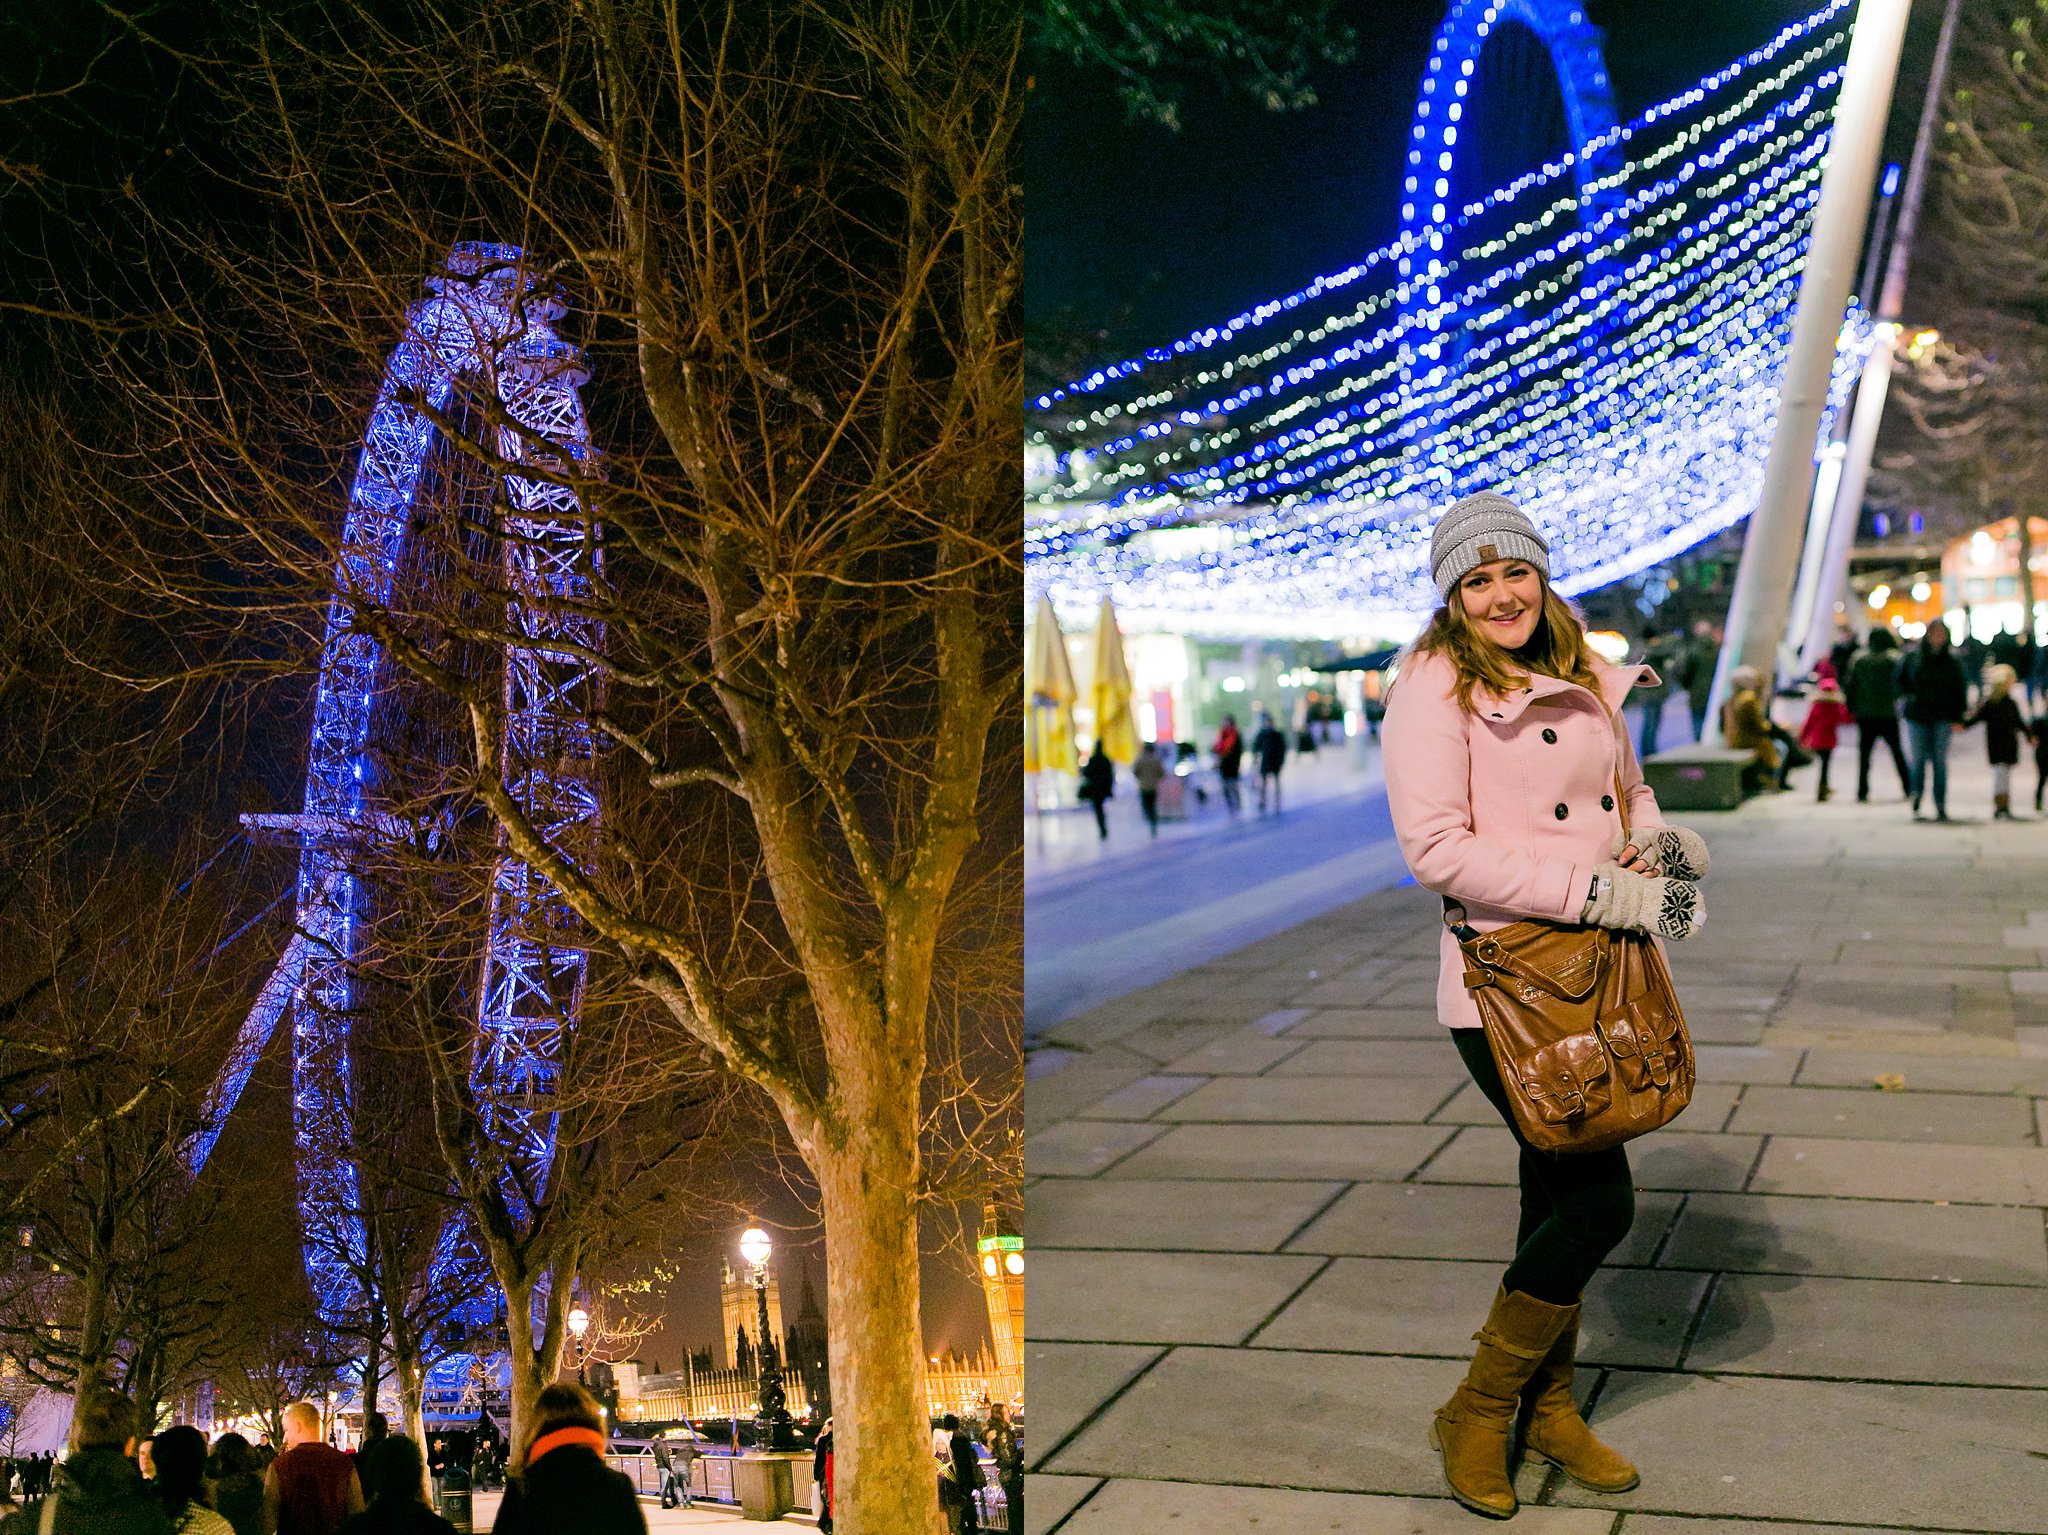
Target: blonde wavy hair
1557, 649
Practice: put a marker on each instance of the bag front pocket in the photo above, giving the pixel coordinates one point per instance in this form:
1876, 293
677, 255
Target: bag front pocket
1567, 1080
1643, 1039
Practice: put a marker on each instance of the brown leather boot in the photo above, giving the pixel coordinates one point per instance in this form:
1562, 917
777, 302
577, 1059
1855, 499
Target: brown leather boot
1473, 1427
1555, 1430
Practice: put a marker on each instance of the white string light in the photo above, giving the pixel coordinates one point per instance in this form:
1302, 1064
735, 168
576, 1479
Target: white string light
1620, 381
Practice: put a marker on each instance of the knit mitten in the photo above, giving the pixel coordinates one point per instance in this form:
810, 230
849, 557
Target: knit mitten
1672, 851
1670, 908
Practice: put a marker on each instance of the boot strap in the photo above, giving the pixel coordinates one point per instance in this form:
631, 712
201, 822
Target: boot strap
1494, 1339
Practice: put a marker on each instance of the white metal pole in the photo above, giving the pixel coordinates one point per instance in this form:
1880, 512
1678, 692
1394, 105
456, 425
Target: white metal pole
1877, 367
1760, 604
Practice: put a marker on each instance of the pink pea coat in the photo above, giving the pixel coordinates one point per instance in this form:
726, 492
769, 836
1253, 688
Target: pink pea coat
1510, 809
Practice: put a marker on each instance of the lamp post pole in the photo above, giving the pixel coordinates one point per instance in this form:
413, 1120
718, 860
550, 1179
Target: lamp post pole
771, 1421
579, 1324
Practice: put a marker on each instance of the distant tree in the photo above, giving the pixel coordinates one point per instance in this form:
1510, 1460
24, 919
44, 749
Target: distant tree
1264, 49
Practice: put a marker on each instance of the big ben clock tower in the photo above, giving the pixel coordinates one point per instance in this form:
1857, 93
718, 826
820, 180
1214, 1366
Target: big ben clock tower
1001, 1251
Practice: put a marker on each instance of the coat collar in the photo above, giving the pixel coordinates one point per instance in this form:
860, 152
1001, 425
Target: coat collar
1615, 682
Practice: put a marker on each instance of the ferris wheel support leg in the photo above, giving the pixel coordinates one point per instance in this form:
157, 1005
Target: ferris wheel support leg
1761, 603
249, 1042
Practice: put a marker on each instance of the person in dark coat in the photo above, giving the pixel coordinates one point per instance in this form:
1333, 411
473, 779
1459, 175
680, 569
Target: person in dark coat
821, 1473
1008, 1455
99, 1490
1270, 747
1098, 785
563, 1486
961, 1479
398, 1494
1229, 761
1871, 690
238, 1484
2004, 722
1937, 698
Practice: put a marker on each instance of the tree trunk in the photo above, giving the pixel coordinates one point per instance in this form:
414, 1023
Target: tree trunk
411, 1394
2026, 587
884, 1476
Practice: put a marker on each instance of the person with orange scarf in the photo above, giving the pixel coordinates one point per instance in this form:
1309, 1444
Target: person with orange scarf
563, 1484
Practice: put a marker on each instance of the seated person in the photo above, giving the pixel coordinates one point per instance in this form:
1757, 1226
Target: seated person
1747, 725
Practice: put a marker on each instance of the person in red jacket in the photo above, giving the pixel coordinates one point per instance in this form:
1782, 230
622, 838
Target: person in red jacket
1825, 717
312, 1487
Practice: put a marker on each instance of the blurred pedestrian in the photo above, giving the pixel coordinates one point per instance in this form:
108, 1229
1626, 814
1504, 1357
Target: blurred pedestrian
2037, 674
1747, 727
1229, 761
960, 1478
1008, 1455
2037, 728
1150, 772
1269, 746
1503, 762
563, 1486
180, 1457
1098, 786
99, 1490
1664, 656
2004, 722
1825, 717
238, 1484
1696, 673
1871, 691
1937, 697
312, 1488
821, 1477
376, 1430
398, 1494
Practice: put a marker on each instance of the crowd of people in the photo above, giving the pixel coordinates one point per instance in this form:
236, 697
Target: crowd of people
1912, 702
962, 1478
116, 1482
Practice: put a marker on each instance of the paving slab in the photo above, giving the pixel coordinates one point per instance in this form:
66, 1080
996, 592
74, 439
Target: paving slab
1935, 1073
1678, 1524
1049, 1499
1335, 1422
1948, 1119
1744, 1063
1131, 1297
1965, 1335
1142, 1098
1315, 1100
1709, 1028
1665, 1160
1860, 1238
1182, 1508
1243, 1053
1374, 1058
1069, 1381
1304, 1151
1425, 1306
2009, 1175
1370, 1023
1076, 1148
1838, 1452
1146, 1215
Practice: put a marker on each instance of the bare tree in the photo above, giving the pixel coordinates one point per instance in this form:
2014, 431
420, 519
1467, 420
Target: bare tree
790, 239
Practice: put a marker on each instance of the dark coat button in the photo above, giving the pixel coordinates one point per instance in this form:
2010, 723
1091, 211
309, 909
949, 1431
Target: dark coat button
1562, 812
1606, 802
1550, 738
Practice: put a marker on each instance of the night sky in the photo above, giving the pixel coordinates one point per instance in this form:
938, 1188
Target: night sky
1150, 234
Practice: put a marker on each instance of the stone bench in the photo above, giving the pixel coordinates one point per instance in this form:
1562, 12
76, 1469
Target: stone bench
1697, 777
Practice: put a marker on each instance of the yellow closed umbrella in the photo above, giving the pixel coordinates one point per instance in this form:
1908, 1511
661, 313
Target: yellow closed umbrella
1049, 696
1111, 695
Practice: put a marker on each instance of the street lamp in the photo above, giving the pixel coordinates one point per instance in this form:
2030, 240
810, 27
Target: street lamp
579, 1324
771, 1423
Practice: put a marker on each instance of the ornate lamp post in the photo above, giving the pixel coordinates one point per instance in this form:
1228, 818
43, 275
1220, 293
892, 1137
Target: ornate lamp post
771, 1422
579, 1324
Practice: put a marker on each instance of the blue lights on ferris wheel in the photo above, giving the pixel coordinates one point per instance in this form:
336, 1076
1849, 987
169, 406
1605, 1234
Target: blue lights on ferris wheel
1609, 357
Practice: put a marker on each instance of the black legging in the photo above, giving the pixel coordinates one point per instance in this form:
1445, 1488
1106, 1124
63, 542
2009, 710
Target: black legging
1576, 1206
1868, 733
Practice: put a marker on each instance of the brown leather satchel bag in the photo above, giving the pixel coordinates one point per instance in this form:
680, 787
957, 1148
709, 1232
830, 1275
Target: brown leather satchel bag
1584, 1026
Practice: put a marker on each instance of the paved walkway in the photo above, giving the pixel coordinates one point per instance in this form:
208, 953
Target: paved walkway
703, 1516
1267, 1212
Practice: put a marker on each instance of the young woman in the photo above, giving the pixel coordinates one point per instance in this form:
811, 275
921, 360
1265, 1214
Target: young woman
1504, 753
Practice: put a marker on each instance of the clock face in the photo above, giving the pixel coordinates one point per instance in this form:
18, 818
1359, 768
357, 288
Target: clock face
1014, 1262
988, 1265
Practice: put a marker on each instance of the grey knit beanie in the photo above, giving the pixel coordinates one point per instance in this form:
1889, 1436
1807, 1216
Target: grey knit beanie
1480, 529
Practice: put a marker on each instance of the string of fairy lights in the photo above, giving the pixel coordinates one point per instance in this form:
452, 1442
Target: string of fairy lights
1610, 361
